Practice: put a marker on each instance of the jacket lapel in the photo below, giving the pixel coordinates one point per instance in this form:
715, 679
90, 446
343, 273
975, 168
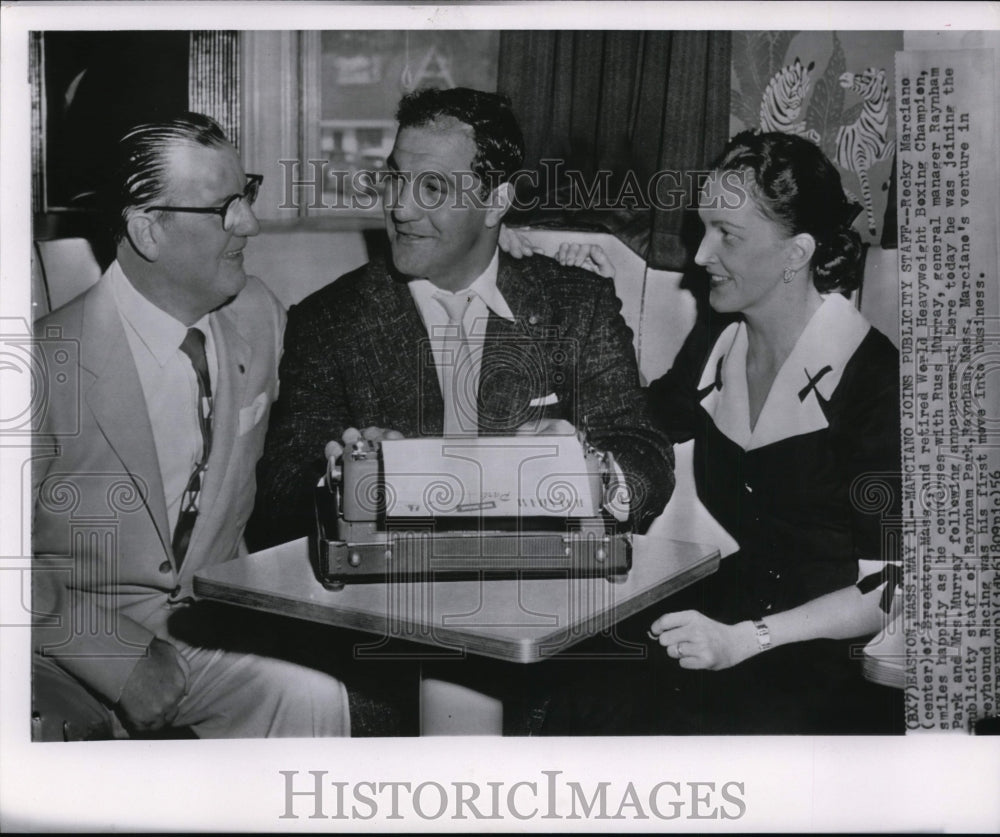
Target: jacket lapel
111, 398
398, 354
515, 364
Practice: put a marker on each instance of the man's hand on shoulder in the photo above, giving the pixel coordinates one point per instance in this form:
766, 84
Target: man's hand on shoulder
153, 692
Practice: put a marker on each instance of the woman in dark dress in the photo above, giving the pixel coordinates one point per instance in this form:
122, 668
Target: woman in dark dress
794, 409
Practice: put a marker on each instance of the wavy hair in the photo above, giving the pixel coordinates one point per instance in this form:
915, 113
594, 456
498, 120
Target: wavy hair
498, 138
796, 186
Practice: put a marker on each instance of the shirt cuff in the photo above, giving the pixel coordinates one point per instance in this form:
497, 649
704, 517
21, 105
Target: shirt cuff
616, 494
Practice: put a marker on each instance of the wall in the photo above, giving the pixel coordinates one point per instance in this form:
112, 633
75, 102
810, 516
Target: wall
294, 263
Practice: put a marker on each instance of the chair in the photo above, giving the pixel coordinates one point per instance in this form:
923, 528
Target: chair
61, 269
63, 709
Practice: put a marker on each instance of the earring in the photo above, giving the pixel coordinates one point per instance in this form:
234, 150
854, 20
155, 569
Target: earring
788, 275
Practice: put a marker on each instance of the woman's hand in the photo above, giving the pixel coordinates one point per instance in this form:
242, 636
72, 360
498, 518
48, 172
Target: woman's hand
517, 244
588, 256
696, 641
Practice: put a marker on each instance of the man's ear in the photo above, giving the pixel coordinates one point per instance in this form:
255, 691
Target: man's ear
498, 203
143, 235
799, 250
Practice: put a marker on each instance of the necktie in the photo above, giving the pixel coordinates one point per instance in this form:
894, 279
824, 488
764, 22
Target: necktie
194, 347
458, 375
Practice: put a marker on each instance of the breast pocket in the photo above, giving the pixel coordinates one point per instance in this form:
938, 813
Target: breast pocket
253, 414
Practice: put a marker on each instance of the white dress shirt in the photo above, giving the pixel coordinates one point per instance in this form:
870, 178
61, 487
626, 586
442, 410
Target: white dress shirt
486, 297
169, 384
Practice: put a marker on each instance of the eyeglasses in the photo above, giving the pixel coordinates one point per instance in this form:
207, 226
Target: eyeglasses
229, 211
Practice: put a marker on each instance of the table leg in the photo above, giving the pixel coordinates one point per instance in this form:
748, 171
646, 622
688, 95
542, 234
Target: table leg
452, 709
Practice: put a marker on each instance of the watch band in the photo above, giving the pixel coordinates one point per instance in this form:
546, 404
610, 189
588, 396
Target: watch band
763, 634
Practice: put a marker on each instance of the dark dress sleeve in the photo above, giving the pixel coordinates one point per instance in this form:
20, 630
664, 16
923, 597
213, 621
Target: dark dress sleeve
868, 446
673, 398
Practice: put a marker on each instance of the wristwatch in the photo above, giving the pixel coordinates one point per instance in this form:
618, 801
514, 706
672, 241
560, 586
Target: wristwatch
763, 635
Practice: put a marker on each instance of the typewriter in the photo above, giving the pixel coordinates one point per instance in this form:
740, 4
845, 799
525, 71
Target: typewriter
409, 509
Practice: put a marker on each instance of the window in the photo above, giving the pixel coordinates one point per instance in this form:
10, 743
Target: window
339, 90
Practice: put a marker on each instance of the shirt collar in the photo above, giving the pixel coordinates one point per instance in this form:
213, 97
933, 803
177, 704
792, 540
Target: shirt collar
485, 287
159, 332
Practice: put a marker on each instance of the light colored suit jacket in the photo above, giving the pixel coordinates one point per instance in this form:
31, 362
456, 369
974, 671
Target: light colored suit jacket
105, 580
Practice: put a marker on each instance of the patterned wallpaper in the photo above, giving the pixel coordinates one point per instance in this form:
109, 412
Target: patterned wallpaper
836, 88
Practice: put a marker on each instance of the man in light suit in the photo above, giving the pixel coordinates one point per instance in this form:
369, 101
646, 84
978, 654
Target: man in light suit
144, 468
550, 350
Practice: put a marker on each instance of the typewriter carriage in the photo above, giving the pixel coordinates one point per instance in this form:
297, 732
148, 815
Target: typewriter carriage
407, 521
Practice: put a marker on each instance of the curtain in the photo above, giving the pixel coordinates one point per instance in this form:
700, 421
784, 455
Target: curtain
35, 70
645, 108
214, 79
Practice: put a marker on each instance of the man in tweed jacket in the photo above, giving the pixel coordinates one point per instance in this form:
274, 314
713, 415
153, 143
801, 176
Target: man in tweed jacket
555, 350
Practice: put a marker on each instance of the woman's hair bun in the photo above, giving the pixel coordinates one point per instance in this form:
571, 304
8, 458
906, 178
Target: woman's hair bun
837, 262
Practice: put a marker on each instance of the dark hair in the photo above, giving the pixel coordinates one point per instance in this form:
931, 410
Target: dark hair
797, 187
137, 173
498, 138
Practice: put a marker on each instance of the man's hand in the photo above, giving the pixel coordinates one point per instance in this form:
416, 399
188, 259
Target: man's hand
152, 694
696, 641
334, 450
546, 427
372, 434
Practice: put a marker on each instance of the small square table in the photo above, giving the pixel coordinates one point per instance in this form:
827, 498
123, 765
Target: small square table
518, 620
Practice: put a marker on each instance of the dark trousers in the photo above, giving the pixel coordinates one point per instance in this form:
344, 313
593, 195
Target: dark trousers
807, 688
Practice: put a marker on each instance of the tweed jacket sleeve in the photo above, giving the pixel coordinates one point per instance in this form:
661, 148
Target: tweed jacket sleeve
329, 375
602, 394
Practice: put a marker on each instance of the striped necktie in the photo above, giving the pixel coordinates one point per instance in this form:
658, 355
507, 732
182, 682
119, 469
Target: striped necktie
194, 347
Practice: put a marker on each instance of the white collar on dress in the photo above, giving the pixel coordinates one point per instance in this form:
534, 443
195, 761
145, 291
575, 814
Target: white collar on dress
793, 406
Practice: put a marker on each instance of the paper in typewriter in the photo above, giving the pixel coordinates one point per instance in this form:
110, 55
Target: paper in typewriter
487, 476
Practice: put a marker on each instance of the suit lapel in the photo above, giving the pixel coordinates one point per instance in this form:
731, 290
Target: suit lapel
398, 354
111, 398
514, 366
